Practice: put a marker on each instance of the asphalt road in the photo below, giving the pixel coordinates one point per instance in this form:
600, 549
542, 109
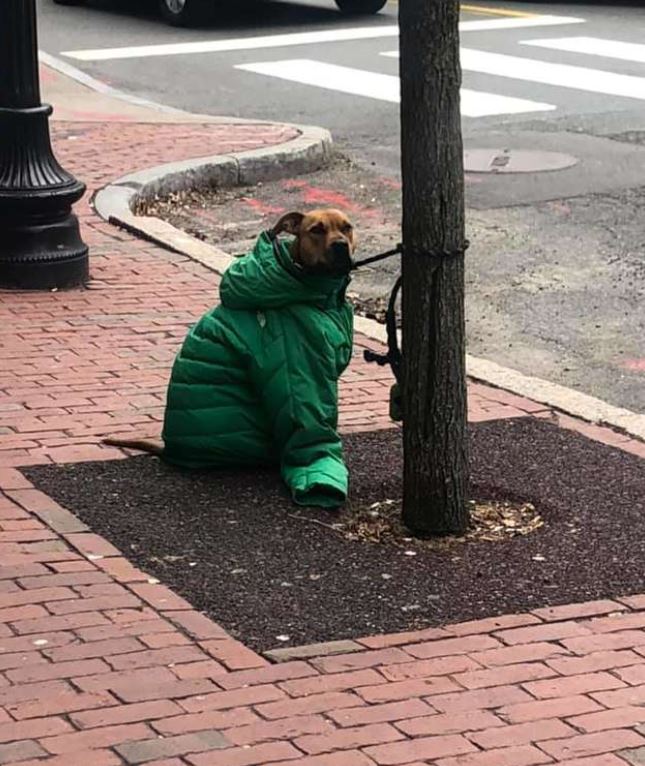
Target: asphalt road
366, 125
555, 282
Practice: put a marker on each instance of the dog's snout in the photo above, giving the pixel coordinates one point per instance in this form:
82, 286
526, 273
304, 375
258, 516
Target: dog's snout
340, 248
341, 256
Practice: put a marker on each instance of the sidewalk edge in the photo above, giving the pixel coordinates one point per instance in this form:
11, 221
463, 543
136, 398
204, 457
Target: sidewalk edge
67, 69
309, 151
553, 395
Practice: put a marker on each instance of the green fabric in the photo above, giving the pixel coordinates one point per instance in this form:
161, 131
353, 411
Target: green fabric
255, 382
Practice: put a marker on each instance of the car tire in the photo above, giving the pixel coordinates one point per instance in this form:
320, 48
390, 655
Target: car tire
360, 7
183, 13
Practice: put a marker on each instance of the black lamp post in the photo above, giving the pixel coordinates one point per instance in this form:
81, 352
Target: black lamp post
40, 242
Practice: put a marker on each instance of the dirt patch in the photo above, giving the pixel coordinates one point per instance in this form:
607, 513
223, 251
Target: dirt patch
231, 219
229, 542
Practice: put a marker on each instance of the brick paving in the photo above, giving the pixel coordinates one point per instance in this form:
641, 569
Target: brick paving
101, 664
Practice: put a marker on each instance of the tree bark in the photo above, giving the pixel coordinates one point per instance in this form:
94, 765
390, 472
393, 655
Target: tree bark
434, 375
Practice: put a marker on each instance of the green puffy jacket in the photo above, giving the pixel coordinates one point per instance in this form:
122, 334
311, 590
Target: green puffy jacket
255, 382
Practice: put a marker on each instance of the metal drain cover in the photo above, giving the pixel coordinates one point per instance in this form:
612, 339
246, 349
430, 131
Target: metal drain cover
515, 161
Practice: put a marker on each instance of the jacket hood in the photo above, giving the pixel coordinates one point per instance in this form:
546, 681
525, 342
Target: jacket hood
267, 278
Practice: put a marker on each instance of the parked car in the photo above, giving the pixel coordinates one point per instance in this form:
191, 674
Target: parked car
184, 12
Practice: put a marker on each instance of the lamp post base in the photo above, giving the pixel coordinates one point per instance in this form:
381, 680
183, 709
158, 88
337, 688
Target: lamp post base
40, 243
42, 255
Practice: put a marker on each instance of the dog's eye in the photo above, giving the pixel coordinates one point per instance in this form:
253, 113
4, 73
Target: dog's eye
317, 229
347, 228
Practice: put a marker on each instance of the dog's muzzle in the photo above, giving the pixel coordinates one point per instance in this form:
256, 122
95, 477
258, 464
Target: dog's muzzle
341, 257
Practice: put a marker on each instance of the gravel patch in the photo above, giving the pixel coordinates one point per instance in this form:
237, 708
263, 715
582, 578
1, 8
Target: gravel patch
275, 575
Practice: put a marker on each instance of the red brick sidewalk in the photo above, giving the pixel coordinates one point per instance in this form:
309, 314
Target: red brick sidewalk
101, 665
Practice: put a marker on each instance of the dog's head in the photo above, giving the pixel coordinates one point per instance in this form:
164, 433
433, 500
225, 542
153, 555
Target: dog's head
324, 240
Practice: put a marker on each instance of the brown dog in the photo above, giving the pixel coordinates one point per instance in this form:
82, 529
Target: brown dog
323, 243
323, 240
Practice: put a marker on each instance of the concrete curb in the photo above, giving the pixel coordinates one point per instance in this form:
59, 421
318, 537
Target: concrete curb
309, 151
63, 67
552, 395
303, 154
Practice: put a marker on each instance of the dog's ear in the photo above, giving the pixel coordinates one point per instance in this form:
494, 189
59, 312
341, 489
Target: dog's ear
290, 222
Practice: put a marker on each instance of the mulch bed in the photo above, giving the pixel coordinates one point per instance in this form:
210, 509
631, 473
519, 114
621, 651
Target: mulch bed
275, 575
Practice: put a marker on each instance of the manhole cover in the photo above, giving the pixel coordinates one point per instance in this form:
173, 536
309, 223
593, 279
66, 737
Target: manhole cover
515, 161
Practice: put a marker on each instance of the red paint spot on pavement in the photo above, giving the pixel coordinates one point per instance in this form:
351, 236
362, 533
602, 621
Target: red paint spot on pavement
635, 365
262, 207
316, 195
391, 183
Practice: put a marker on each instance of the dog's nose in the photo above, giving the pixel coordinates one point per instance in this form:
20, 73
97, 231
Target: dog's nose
341, 256
340, 248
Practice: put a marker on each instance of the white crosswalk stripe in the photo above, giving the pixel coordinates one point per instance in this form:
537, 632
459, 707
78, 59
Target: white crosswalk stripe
356, 82
301, 38
547, 73
594, 46
559, 75
384, 87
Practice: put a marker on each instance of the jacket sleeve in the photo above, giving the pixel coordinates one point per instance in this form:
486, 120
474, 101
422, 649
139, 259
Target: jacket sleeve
299, 393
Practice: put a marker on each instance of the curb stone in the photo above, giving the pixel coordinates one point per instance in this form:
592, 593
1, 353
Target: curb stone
308, 651
311, 149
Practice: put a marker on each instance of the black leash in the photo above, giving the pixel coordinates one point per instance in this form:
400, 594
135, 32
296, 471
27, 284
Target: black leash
393, 356
380, 257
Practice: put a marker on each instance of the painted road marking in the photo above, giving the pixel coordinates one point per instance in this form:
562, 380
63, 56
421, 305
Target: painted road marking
383, 87
479, 103
497, 11
301, 38
236, 44
594, 46
560, 75
523, 22
546, 73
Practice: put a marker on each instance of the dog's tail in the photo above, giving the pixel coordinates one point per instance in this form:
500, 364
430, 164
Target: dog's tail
143, 445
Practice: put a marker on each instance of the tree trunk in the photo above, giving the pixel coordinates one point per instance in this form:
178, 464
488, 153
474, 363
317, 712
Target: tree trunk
434, 375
